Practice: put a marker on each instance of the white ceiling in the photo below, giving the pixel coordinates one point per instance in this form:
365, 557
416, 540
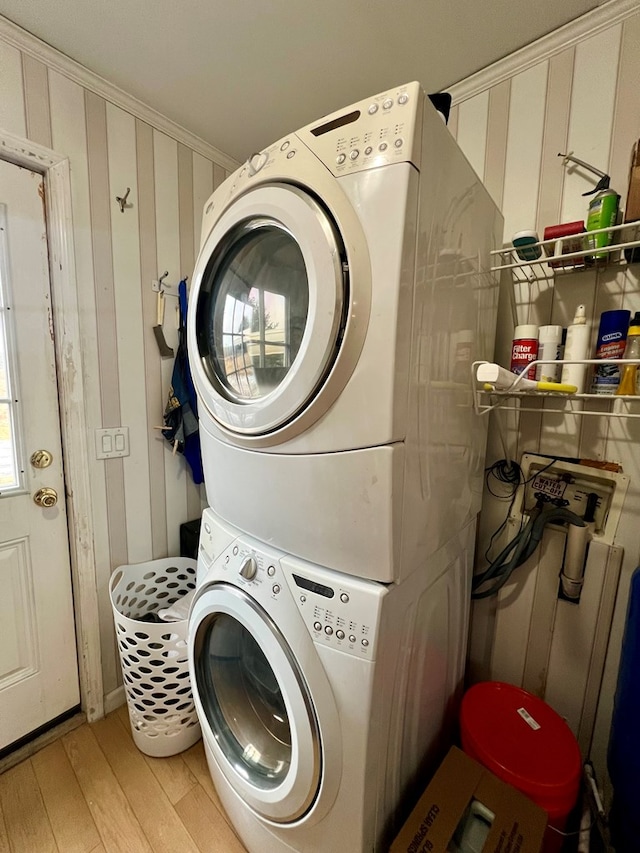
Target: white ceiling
242, 73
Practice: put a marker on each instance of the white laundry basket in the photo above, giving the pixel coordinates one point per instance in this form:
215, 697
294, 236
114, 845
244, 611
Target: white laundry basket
154, 654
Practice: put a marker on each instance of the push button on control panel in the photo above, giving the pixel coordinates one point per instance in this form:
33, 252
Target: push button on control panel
373, 109
328, 630
344, 598
340, 159
317, 626
340, 635
387, 104
403, 98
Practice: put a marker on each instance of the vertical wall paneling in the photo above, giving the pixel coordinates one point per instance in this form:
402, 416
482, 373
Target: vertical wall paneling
219, 175
36, 93
68, 127
626, 123
121, 141
556, 128
592, 101
153, 372
496, 149
202, 189
168, 249
472, 130
453, 121
187, 260
12, 109
95, 108
524, 151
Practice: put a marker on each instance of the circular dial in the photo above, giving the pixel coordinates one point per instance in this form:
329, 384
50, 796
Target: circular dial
248, 568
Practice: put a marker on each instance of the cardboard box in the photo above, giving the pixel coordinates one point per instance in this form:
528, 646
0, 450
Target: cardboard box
632, 210
457, 789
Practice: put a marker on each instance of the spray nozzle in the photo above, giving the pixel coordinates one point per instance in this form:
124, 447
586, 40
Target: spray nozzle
603, 183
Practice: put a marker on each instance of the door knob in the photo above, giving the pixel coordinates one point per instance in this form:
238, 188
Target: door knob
46, 497
41, 459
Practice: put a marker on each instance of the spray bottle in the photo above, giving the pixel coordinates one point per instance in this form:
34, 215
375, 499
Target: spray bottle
576, 348
629, 379
603, 208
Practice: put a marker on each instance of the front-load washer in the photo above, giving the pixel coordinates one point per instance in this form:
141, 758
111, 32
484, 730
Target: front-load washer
324, 699
342, 291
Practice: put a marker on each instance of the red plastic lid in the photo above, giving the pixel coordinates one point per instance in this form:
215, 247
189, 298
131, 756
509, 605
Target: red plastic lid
522, 741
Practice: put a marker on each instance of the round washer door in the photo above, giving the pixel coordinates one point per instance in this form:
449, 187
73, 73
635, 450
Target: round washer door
270, 299
253, 703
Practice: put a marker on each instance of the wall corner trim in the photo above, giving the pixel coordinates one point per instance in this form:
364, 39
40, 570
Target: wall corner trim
603, 17
32, 46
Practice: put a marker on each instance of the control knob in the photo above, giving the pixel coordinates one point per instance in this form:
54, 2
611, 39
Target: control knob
249, 568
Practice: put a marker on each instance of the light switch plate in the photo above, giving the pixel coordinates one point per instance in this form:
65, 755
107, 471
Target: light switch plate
112, 443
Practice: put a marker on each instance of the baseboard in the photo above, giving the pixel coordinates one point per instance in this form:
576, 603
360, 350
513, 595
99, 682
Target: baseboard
114, 699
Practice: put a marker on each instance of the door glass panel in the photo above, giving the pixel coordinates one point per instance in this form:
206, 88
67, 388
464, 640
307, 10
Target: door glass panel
252, 322
9, 468
243, 702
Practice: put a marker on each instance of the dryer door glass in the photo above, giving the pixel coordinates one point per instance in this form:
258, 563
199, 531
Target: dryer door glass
244, 703
255, 323
271, 300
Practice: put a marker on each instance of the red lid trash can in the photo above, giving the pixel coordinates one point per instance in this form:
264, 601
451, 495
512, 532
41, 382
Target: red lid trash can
524, 742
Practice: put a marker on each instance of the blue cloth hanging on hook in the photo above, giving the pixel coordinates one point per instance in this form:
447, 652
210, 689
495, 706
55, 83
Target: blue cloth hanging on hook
181, 412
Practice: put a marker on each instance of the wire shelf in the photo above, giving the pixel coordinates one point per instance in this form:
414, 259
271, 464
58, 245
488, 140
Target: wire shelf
552, 263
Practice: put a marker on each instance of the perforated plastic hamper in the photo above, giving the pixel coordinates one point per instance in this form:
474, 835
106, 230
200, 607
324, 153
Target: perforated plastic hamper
154, 654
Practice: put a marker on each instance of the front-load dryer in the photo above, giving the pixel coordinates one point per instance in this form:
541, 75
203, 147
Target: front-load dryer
342, 291
324, 699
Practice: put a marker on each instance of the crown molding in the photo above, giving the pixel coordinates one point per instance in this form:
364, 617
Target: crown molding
601, 18
57, 61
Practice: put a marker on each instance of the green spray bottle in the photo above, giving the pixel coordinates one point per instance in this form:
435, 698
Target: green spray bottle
603, 208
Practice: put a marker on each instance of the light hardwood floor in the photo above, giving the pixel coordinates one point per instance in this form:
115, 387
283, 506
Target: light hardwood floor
93, 791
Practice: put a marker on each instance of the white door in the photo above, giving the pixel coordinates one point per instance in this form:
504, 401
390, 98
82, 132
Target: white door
38, 662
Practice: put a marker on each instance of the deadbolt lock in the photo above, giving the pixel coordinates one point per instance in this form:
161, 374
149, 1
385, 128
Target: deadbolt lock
41, 459
46, 497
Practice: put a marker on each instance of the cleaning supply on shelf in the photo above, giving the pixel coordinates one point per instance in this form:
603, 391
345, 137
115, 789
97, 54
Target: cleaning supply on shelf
611, 343
549, 347
603, 213
524, 349
498, 378
525, 243
568, 237
629, 380
576, 348
603, 208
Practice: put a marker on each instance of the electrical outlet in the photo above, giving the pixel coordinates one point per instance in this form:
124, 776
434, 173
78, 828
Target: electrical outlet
569, 484
112, 443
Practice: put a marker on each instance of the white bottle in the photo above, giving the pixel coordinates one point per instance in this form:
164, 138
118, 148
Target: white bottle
549, 346
576, 347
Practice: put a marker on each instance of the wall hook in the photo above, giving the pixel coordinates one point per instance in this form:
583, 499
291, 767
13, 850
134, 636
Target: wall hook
122, 200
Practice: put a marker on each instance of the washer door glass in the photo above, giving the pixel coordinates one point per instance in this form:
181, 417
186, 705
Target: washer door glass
255, 325
255, 709
244, 703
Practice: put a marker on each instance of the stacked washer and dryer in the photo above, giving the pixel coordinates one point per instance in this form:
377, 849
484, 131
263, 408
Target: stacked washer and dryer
342, 291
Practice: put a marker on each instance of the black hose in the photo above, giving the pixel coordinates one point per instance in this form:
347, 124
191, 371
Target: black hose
523, 545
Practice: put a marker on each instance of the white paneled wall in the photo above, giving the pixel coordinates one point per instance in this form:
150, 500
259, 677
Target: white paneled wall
139, 501
583, 99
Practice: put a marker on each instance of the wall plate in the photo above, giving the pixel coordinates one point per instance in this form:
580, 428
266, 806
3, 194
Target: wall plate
573, 482
112, 443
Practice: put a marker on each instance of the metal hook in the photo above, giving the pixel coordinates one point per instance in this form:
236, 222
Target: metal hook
122, 200
162, 278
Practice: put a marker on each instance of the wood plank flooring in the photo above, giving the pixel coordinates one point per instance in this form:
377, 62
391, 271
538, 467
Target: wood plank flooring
93, 791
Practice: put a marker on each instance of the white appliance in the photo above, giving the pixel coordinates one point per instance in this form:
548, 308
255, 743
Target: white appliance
322, 697
340, 296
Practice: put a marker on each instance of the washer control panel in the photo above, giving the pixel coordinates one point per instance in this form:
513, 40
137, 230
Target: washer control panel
338, 611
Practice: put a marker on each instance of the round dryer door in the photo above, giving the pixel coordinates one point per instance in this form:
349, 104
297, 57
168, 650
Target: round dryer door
269, 295
254, 705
